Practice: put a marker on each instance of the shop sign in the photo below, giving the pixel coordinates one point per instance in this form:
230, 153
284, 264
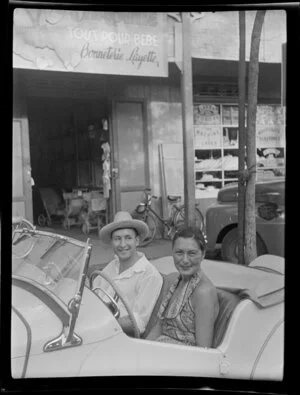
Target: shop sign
124, 43
270, 136
207, 137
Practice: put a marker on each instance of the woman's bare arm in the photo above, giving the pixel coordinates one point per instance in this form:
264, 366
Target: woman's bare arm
155, 331
205, 302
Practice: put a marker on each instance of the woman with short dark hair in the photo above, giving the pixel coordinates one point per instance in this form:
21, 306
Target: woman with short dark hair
188, 313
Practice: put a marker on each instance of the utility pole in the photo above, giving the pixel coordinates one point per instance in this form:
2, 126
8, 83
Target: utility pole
187, 122
242, 95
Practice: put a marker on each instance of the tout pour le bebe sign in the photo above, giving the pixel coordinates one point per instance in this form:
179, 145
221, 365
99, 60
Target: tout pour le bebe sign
124, 43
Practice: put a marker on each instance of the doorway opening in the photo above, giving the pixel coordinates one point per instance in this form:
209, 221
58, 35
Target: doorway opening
67, 145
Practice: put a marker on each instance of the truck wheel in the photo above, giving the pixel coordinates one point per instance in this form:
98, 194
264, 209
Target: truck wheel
229, 249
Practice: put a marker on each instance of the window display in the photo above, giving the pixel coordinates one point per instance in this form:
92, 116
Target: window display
216, 145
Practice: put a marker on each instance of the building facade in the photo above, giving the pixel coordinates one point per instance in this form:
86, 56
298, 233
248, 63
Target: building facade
90, 83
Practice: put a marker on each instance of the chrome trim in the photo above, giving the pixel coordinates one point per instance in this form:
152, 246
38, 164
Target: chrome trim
62, 341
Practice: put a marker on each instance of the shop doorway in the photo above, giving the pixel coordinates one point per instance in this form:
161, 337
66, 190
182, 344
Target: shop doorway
130, 173
66, 137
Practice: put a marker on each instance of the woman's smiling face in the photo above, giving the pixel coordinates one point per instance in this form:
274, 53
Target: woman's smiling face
187, 256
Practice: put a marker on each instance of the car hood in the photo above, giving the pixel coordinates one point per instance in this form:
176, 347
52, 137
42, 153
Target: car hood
273, 191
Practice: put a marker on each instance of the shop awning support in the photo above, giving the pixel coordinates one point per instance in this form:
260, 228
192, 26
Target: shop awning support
187, 122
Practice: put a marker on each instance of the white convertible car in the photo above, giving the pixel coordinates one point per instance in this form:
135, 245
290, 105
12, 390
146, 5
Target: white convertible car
62, 328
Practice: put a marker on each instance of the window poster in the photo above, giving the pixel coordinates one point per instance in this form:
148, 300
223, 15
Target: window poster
269, 115
207, 114
207, 137
270, 136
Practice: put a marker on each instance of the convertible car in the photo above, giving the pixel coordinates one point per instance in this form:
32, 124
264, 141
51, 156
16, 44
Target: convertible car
61, 327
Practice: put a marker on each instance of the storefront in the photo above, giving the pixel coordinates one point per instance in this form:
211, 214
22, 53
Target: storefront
77, 105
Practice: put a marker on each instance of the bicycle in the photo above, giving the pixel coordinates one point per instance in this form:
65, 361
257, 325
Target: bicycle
175, 220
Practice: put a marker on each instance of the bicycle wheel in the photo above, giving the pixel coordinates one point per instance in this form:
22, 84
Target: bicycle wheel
151, 222
179, 218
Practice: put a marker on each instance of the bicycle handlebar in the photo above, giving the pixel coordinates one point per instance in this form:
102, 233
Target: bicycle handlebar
148, 192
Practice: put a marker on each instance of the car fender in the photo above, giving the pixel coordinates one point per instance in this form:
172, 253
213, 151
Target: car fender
21, 344
95, 325
250, 322
218, 217
269, 362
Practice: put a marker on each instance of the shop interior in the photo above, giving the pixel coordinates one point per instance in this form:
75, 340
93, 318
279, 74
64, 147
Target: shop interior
69, 150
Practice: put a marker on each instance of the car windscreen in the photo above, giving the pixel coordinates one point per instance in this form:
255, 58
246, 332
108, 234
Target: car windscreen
54, 262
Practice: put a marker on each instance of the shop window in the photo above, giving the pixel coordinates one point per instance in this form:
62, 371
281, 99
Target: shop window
216, 138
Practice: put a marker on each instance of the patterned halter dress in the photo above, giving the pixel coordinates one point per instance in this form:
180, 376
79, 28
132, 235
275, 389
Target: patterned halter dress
177, 313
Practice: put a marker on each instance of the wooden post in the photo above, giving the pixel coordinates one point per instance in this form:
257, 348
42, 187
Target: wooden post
250, 218
164, 193
242, 94
187, 122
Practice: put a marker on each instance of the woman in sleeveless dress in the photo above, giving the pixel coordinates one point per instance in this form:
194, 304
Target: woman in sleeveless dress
190, 308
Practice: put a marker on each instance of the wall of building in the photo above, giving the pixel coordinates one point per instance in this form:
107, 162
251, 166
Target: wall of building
19, 97
215, 35
164, 120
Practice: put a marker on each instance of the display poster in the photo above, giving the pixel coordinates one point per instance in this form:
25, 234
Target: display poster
207, 137
123, 43
207, 114
269, 115
230, 115
270, 136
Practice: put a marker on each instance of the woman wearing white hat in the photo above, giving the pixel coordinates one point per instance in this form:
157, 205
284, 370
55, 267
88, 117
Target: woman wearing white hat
138, 280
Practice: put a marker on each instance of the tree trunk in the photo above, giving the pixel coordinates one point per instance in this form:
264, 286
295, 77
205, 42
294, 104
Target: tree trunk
188, 122
250, 220
242, 94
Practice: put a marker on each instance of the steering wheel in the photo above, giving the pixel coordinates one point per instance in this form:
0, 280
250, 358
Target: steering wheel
119, 293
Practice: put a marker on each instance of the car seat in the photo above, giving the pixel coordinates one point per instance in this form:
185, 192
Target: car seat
168, 280
227, 303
